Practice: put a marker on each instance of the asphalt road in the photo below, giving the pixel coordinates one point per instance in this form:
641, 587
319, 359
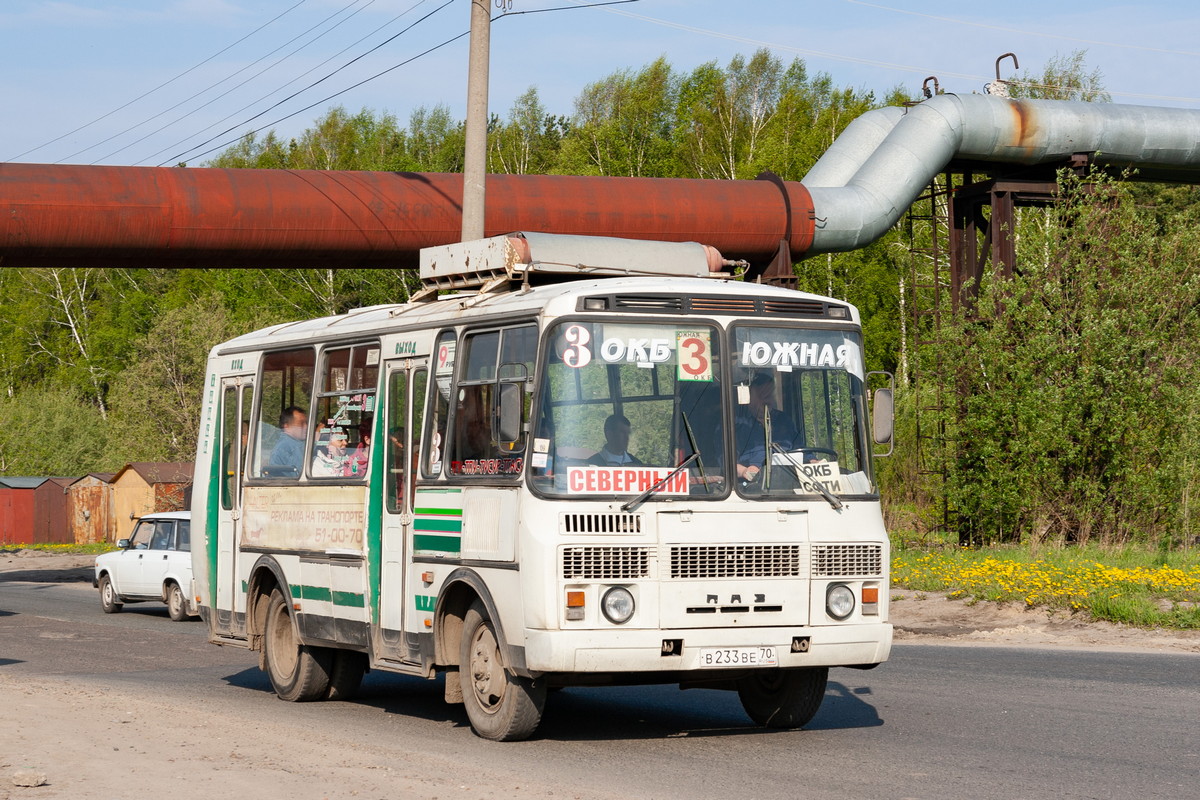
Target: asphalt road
934, 722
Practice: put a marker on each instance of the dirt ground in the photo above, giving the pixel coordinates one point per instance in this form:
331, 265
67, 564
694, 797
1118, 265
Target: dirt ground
917, 616
85, 722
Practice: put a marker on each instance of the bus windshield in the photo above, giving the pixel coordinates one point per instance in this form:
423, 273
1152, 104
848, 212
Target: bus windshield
799, 415
623, 404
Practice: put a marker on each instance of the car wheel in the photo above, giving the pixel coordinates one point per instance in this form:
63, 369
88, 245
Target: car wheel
176, 605
785, 698
299, 673
500, 705
108, 596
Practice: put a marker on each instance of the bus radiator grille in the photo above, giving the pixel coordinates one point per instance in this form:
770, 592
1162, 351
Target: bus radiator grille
601, 523
735, 561
846, 560
605, 563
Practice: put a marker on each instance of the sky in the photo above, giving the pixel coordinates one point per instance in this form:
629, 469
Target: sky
159, 82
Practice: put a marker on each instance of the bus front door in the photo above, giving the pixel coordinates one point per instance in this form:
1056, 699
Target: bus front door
406, 383
235, 429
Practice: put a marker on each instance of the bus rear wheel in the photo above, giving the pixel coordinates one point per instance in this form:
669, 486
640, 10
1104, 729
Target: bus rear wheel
501, 706
299, 673
786, 698
346, 674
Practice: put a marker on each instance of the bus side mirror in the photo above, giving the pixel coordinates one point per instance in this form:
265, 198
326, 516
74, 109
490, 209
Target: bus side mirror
883, 410
882, 416
510, 402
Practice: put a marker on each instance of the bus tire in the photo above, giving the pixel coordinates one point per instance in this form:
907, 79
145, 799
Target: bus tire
109, 601
176, 605
786, 698
501, 706
346, 674
299, 673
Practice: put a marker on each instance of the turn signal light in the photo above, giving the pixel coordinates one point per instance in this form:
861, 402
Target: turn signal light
575, 603
870, 600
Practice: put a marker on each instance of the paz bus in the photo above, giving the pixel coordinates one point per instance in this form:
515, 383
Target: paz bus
565, 461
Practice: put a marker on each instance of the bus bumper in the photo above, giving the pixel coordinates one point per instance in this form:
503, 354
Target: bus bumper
680, 650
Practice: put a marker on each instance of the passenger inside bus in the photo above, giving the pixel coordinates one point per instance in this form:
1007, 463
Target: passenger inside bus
615, 452
288, 456
357, 463
330, 457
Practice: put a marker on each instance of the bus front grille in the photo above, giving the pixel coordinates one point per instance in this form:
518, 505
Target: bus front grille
735, 561
846, 560
602, 523
605, 563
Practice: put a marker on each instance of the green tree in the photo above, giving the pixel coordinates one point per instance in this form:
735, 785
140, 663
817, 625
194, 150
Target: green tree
528, 143
157, 397
1078, 413
52, 431
1062, 78
622, 125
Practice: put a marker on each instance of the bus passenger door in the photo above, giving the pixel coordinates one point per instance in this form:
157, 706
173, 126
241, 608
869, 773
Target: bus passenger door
406, 382
235, 430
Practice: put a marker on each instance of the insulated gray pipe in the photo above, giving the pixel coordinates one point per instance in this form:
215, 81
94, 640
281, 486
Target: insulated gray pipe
878, 186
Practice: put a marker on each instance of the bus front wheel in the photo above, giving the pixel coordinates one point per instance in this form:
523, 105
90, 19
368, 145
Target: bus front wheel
786, 698
501, 706
299, 673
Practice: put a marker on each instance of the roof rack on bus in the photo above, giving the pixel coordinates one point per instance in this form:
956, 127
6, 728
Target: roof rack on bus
501, 263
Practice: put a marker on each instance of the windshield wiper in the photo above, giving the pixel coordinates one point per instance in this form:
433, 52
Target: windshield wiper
687, 427
829, 496
641, 498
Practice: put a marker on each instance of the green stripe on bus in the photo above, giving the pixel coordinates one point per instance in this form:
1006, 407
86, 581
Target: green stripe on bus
442, 544
424, 490
443, 525
439, 512
327, 595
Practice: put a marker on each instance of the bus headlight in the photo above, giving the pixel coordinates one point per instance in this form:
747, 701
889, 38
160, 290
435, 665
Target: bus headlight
617, 605
839, 601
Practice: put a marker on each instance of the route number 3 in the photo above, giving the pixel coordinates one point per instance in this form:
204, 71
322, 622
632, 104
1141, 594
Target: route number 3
577, 353
694, 361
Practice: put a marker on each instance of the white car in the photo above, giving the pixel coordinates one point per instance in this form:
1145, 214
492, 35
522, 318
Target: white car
153, 564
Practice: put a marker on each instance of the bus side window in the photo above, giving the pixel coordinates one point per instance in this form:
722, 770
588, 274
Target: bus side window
282, 409
439, 405
493, 359
345, 408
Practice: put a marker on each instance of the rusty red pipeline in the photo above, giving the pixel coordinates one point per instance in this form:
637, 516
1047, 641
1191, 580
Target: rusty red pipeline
65, 215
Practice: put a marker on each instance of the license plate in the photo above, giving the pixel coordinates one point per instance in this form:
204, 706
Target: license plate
760, 656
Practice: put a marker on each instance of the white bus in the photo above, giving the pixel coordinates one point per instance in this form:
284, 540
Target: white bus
552, 477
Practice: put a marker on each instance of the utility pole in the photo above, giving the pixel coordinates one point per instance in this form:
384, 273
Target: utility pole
475, 157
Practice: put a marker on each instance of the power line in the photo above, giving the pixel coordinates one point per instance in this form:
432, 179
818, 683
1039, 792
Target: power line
218, 83
451, 40
253, 103
165, 83
315, 83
